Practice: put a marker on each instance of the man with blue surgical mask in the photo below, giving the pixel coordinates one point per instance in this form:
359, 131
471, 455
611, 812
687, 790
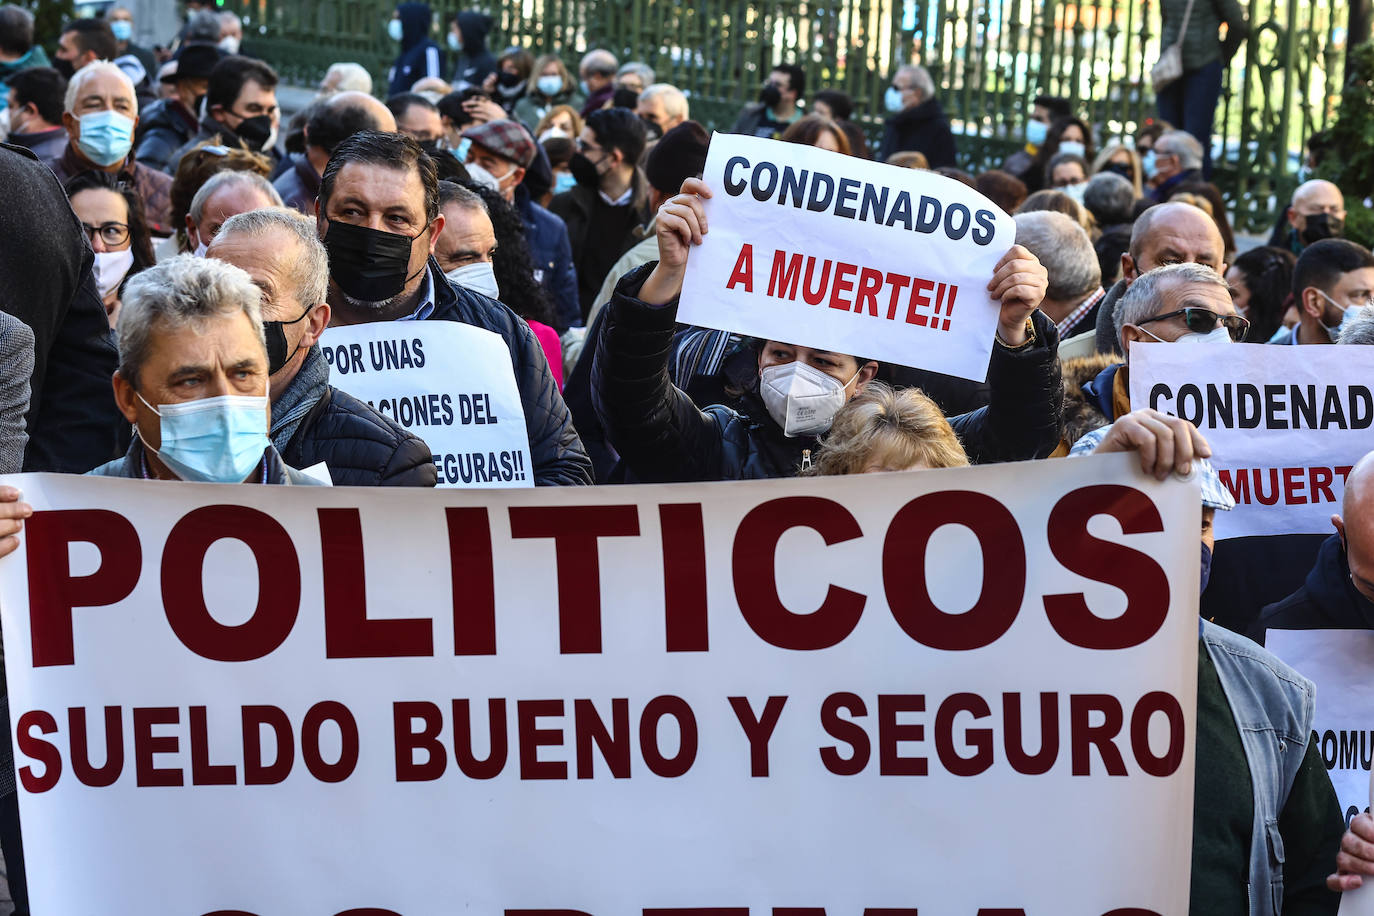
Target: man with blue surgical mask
193, 378
1045, 110
100, 115
1333, 283
916, 122
121, 22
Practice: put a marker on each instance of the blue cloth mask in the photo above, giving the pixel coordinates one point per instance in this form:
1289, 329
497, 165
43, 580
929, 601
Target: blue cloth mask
106, 137
212, 440
123, 29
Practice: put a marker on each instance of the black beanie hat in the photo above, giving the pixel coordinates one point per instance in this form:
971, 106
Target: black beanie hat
680, 154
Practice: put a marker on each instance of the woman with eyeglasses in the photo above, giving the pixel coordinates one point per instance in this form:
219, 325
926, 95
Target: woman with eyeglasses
112, 218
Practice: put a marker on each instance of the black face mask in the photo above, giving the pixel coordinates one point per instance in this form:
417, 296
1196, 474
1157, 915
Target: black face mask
431, 147
584, 171
509, 80
1322, 226
255, 131
770, 95
369, 265
652, 129
1124, 169
275, 332
64, 67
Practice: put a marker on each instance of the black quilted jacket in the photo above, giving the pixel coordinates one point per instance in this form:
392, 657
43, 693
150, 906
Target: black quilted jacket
662, 436
361, 447
557, 452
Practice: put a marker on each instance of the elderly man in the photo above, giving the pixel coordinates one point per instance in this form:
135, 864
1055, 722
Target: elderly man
916, 121
1110, 199
1333, 283
597, 72
378, 214
663, 437
1075, 288
634, 77
1174, 233
505, 150
777, 106
192, 377
1316, 212
312, 421
226, 194
662, 107
330, 123
170, 123
345, 77
100, 116
230, 32
240, 108
1175, 160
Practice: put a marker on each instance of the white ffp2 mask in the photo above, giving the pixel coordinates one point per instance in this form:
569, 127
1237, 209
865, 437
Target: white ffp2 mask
478, 276
801, 399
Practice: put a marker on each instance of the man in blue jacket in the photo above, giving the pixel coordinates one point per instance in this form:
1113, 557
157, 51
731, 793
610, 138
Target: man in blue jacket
378, 215
419, 55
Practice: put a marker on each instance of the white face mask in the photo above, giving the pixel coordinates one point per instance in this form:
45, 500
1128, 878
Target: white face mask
111, 267
1349, 313
478, 277
229, 44
801, 399
482, 176
200, 249
1075, 191
1218, 335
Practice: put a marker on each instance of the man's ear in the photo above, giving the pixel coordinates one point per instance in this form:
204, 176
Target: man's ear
72, 123
865, 376
125, 397
315, 324
438, 230
192, 235
1128, 270
1339, 525
1312, 303
1129, 335
1292, 217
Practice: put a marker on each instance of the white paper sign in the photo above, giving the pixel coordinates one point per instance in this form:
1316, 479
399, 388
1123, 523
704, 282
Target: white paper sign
449, 383
1339, 663
611, 701
823, 250
1286, 424
1360, 901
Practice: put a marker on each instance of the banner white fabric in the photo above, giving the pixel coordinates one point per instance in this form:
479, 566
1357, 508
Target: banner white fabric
827, 251
1286, 424
449, 383
934, 690
1338, 662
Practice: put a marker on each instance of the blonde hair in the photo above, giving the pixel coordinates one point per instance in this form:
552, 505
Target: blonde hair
547, 121
910, 159
904, 427
1100, 163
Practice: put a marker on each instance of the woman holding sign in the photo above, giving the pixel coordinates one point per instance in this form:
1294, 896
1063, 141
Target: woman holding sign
662, 436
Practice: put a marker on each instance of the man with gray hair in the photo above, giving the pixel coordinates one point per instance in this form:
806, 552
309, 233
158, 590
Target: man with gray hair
597, 72
634, 77
1110, 198
662, 106
192, 378
1359, 330
345, 76
1075, 289
917, 121
100, 115
226, 194
312, 421
1177, 158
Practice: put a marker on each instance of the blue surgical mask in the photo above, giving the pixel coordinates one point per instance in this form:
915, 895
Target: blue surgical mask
461, 151
549, 85
123, 29
1036, 132
106, 137
1072, 147
455, 41
563, 181
1075, 191
1206, 567
586, 90
395, 30
892, 99
1147, 162
213, 440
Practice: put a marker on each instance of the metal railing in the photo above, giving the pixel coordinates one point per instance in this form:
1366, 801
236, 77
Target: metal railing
988, 59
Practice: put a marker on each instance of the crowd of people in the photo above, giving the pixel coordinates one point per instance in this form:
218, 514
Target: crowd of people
164, 228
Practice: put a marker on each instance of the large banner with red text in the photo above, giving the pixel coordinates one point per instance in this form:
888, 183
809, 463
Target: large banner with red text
949, 692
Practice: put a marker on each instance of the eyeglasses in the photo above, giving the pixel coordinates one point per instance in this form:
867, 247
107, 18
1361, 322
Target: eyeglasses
112, 234
1204, 321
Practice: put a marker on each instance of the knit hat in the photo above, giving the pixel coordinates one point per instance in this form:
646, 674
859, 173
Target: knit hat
194, 61
680, 154
505, 138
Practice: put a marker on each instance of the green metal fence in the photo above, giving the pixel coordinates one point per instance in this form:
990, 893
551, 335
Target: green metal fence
988, 58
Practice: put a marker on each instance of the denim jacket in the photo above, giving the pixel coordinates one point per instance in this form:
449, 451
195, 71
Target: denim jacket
1273, 707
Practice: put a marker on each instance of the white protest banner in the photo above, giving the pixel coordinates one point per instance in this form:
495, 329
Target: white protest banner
1360, 901
1286, 424
822, 250
1339, 663
449, 383
842, 693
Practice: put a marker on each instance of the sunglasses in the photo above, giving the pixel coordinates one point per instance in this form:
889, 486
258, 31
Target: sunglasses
1204, 321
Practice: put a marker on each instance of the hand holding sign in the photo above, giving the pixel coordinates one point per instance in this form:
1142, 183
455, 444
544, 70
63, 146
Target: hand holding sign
1165, 444
681, 223
1018, 284
1356, 857
12, 515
